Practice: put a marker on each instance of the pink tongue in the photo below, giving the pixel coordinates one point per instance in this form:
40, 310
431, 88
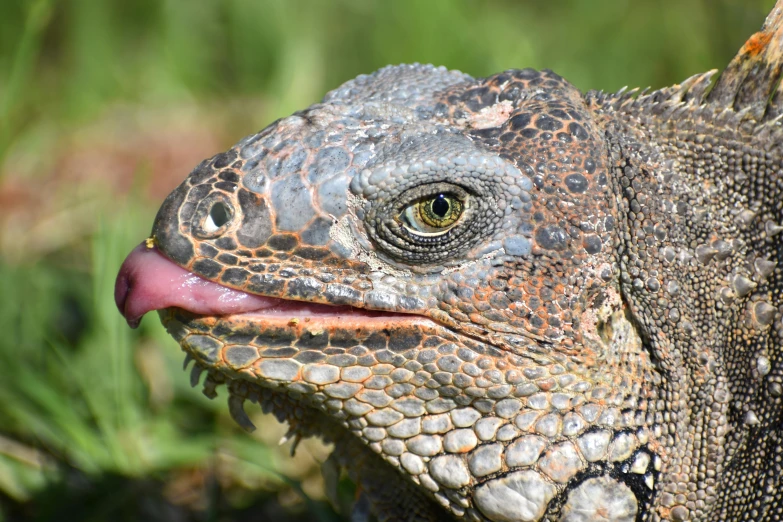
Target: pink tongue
148, 281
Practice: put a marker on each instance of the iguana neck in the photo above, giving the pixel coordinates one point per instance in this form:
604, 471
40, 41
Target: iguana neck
699, 258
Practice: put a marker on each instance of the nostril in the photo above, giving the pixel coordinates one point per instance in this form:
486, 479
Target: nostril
218, 216
213, 216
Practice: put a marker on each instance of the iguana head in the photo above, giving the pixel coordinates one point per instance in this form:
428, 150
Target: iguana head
423, 269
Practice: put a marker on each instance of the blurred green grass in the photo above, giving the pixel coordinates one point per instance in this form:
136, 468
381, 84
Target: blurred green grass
105, 105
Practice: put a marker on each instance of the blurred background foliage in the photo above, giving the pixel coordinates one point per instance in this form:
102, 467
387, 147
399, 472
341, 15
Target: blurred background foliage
105, 105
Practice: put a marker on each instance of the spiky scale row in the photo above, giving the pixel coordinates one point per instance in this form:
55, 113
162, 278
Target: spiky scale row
753, 75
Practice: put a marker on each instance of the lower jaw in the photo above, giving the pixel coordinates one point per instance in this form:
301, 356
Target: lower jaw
305, 339
305, 417
384, 339
376, 480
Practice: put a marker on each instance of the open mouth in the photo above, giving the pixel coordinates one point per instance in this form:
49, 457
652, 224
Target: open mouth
189, 304
149, 281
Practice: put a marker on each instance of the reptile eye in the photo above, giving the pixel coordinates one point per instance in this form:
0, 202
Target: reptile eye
432, 222
433, 215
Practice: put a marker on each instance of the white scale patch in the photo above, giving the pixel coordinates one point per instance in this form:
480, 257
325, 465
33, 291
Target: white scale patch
492, 116
521, 496
600, 499
344, 231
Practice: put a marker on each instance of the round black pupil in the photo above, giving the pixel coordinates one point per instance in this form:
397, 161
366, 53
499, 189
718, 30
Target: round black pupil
440, 207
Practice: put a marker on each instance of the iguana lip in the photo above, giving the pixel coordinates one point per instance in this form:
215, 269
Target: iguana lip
149, 281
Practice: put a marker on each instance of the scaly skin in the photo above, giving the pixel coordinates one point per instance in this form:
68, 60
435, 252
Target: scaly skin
597, 336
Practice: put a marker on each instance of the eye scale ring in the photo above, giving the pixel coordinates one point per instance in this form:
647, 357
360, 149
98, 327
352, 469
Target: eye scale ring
401, 230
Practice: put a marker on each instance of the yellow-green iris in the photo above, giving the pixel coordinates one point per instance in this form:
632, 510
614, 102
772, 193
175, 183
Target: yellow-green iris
434, 214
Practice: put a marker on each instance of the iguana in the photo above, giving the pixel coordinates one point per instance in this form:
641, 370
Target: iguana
501, 298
